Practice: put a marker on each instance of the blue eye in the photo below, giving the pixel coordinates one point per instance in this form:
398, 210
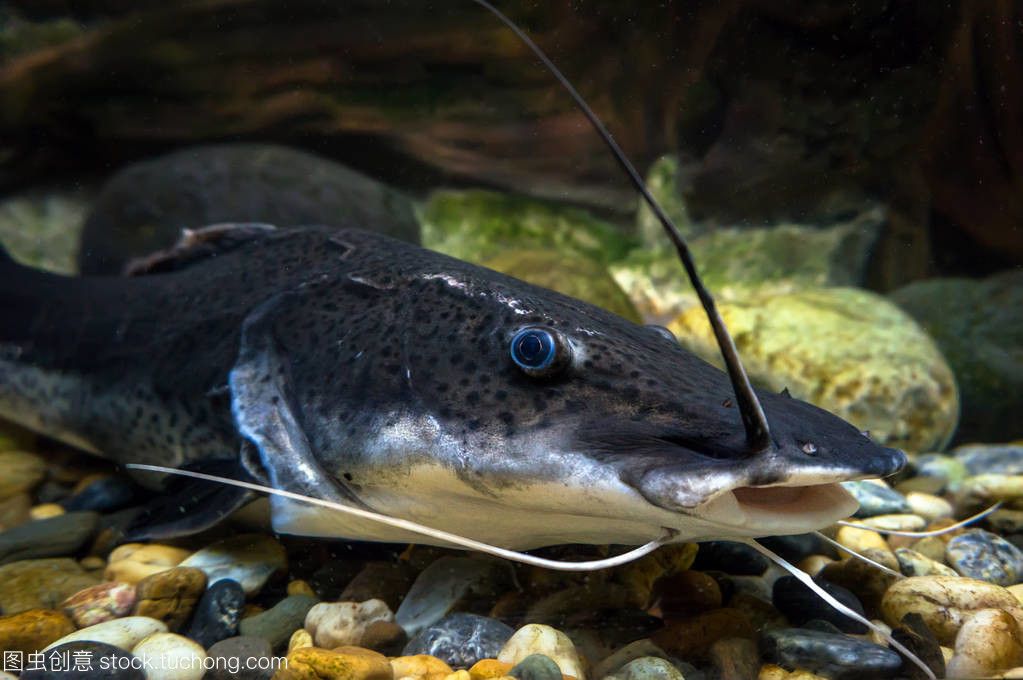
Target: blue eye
533, 349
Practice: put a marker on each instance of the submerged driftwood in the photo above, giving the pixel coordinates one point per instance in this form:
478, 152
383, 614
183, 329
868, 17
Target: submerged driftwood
777, 109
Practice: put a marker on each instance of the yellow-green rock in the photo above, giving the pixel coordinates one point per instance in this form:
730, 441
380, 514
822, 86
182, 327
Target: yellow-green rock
662, 183
576, 277
479, 225
846, 350
735, 263
40, 584
32, 630
313, 663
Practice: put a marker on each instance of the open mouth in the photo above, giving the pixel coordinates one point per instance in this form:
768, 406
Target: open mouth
767, 510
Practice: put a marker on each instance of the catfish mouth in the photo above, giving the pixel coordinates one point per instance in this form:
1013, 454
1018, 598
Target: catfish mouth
771, 510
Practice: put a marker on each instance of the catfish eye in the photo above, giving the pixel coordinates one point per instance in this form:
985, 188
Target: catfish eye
540, 351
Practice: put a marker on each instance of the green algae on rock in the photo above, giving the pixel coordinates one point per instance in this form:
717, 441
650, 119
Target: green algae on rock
736, 263
40, 227
979, 328
662, 183
575, 277
479, 225
846, 350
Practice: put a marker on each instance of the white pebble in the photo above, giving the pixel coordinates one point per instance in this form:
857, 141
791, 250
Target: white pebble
124, 633
536, 638
167, 656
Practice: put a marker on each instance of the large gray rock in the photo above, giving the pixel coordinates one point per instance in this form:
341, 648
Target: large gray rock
146, 205
978, 326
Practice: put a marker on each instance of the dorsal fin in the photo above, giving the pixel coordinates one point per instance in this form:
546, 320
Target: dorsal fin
758, 433
196, 245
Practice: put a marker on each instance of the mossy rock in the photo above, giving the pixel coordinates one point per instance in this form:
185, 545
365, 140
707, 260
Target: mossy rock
737, 262
478, 225
846, 350
40, 227
979, 327
662, 183
573, 276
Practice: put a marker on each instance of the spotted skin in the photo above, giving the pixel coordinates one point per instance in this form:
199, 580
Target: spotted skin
393, 361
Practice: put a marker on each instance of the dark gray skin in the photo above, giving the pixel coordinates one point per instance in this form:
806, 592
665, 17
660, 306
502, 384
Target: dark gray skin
358, 368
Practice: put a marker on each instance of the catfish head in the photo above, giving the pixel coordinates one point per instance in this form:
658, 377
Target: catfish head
509, 413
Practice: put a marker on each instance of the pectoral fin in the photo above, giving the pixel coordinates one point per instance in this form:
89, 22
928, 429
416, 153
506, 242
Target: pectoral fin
264, 414
189, 506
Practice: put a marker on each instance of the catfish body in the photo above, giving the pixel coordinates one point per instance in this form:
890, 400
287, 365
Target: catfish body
353, 367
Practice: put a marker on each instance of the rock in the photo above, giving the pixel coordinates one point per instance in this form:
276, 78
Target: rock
687, 593
905, 522
988, 642
576, 277
943, 602
46, 511
99, 603
662, 181
15, 511
276, 624
30, 631
170, 596
124, 633
640, 576
814, 563
333, 624
864, 580
133, 562
479, 225
631, 651
987, 459
800, 604
536, 667
730, 557
145, 206
540, 639
985, 556
460, 640
253, 654
845, 350
489, 668
217, 613
40, 584
299, 639
420, 667
912, 563
876, 499
735, 659
1005, 521
105, 661
22, 472
56, 536
951, 471
977, 326
648, 668
346, 663
797, 546
466, 583
387, 581
931, 547
300, 587
40, 226
173, 657
917, 638
105, 494
770, 671
249, 559
835, 656
691, 639
861, 540
776, 260
929, 506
